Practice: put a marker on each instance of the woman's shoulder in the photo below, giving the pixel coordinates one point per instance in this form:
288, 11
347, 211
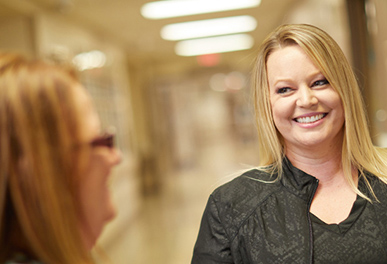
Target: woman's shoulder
25, 262
252, 186
237, 199
378, 186
20, 258
253, 178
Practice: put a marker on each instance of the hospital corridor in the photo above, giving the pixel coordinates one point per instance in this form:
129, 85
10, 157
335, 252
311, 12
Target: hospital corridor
182, 107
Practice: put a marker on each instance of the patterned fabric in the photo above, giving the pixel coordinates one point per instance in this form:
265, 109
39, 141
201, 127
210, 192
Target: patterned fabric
361, 238
249, 221
21, 259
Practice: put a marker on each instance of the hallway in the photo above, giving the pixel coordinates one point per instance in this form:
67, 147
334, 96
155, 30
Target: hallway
184, 124
166, 228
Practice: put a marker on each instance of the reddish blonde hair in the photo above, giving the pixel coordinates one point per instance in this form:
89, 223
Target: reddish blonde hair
40, 161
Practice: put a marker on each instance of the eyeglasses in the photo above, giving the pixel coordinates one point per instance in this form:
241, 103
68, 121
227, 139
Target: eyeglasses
106, 140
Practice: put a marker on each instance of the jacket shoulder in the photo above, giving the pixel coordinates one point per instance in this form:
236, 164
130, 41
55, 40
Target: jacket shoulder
251, 185
239, 198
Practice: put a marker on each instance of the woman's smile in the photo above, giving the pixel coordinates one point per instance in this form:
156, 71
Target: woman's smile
307, 119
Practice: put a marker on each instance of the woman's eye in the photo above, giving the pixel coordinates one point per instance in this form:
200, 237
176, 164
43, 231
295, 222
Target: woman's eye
320, 82
283, 90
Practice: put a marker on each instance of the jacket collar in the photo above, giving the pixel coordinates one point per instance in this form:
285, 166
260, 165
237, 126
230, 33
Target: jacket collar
297, 181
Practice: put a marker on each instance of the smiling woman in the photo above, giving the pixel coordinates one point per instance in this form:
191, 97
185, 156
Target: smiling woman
320, 194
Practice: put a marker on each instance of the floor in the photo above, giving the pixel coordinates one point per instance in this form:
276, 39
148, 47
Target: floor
166, 228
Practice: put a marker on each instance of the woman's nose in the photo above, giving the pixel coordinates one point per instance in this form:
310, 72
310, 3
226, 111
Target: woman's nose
306, 97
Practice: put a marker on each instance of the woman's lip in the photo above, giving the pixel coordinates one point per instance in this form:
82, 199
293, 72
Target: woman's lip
310, 119
310, 114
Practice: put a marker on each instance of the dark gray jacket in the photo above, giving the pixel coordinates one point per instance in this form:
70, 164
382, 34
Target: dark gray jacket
249, 221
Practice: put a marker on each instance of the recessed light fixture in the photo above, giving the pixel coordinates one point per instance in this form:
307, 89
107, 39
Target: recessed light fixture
211, 45
177, 8
208, 27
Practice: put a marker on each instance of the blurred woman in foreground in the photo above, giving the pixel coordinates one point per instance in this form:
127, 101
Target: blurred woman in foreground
54, 163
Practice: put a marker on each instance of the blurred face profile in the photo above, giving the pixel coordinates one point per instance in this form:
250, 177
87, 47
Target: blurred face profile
95, 201
307, 111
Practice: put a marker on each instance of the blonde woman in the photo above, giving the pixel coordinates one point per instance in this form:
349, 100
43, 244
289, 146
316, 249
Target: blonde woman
320, 194
54, 162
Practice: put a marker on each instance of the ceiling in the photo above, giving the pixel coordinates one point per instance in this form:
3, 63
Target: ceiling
121, 21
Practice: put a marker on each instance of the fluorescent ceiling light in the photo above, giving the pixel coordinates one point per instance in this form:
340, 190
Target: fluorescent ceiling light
211, 45
90, 60
209, 27
177, 8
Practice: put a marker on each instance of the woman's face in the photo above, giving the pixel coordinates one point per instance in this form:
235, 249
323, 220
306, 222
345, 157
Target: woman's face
307, 111
95, 201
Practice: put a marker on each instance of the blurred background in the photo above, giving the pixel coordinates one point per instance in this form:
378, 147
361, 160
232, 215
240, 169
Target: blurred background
183, 111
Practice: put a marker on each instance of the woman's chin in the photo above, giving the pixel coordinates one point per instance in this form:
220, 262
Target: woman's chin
89, 241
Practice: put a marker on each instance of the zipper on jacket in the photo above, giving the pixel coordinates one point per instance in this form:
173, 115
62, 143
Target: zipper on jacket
311, 247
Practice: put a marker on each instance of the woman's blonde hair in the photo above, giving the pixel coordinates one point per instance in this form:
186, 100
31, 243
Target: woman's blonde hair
357, 150
41, 158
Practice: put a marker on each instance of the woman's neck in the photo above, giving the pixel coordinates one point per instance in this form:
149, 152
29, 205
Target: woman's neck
323, 165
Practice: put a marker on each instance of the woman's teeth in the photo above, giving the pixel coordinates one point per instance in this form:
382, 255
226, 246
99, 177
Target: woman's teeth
310, 119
